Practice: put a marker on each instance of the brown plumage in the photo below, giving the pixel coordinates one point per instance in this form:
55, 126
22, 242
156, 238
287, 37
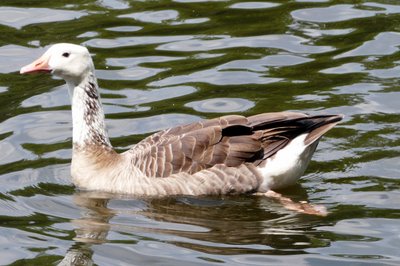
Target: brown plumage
230, 140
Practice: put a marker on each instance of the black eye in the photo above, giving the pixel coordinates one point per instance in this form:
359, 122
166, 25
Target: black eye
66, 55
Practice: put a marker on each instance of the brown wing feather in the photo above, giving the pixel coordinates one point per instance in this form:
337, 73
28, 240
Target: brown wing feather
229, 140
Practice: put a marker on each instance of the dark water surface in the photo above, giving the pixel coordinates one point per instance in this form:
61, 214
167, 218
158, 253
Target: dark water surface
164, 63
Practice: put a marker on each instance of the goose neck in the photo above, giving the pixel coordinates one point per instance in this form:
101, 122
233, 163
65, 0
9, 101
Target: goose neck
87, 114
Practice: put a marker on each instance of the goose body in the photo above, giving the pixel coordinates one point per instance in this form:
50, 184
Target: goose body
229, 154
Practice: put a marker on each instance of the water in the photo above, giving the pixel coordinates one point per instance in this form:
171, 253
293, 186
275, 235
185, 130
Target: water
164, 63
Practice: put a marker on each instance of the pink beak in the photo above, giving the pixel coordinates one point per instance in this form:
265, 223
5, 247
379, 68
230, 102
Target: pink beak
39, 65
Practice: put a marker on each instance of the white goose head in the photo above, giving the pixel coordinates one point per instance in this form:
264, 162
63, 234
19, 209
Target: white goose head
68, 61
73, 63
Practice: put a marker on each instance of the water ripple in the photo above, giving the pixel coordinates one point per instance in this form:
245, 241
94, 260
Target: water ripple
120, 127
17, 56
133, 41
331, 14
343, 12
198, 1
216, 77
114, 4
379, 244
384, 43
253, 5
153, 16
221, 105
137, 73
285, 42
21, 17
125, 28
135, 61
262, 63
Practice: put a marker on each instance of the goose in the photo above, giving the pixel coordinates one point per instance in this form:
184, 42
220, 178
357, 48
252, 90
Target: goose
231, 154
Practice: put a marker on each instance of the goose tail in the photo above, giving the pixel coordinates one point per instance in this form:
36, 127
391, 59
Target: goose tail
319, 125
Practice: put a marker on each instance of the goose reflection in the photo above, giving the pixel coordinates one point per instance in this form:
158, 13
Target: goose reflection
214, 225
91, 228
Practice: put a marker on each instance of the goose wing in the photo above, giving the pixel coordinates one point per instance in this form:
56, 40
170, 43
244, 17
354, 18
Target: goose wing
229, 140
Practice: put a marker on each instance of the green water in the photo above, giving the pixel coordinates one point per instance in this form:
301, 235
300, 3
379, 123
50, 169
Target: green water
164, 63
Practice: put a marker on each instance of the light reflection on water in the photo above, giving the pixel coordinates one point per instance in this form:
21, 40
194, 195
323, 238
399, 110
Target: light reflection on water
20, 17
164, 63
